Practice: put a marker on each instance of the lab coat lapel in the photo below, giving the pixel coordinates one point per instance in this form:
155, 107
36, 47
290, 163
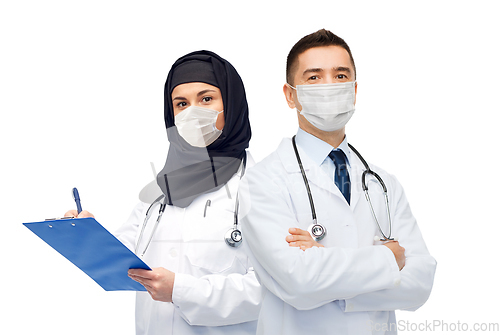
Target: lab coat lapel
355, 174
315, 175
318, 177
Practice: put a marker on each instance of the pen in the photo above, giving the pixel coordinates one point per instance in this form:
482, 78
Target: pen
76, 196
206, 205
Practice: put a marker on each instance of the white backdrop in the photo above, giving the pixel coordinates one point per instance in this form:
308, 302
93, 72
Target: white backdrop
82, 105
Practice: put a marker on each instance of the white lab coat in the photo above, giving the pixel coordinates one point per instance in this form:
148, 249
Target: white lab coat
215, 289
353, 285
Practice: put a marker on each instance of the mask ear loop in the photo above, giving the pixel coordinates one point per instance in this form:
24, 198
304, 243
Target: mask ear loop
293, 88
215, 127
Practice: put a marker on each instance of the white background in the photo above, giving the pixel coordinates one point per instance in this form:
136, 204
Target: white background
81, 86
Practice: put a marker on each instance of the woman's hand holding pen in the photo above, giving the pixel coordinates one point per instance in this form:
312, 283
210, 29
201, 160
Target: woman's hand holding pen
78, 212
74, 213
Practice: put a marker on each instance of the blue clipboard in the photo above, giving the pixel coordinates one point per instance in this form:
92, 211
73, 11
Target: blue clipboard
93, 249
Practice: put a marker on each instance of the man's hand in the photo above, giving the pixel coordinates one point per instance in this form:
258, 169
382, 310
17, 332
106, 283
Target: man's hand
74, 213
159, 282
399, 253
301, 238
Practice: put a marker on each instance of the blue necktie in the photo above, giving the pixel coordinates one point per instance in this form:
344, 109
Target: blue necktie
342, 179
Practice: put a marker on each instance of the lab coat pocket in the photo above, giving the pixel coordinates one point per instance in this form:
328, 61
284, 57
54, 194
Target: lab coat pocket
206, 249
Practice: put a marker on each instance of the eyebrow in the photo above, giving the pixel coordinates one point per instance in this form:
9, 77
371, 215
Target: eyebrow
336, 69
342, 69
204, 91
199, 94
312, 70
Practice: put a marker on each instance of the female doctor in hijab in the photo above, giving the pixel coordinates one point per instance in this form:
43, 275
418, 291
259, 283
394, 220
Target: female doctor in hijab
199, 283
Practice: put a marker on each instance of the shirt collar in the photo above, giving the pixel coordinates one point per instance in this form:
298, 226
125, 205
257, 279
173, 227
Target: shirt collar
318, 150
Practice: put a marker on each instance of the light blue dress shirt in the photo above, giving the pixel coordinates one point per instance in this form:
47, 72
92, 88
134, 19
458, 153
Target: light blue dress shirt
318, 151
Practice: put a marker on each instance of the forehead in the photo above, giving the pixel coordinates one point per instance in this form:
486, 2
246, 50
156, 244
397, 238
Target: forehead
193, 88
325, 58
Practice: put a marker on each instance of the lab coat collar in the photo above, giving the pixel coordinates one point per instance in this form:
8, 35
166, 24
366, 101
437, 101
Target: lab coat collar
318, 150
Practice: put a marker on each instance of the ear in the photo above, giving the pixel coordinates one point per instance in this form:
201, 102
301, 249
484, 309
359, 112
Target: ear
289, 92
355, 92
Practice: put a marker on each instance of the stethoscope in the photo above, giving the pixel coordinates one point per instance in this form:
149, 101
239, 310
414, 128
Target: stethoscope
317, 230
232, 237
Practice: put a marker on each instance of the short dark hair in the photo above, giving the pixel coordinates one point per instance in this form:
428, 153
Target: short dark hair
321, 38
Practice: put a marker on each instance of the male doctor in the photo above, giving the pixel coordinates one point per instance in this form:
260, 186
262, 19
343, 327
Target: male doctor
346, 282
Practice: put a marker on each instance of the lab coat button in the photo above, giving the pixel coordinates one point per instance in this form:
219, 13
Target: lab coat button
173, 252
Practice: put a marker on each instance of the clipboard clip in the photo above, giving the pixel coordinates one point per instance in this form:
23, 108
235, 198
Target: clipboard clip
63, 218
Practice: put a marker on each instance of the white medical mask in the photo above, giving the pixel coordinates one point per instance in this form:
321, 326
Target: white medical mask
196, 125
327, 106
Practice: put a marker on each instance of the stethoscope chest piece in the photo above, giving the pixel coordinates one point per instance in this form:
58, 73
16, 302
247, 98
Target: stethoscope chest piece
317, 231
233, 238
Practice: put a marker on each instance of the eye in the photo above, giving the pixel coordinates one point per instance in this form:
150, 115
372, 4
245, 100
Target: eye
206, 99
181, 104
342, 76
313, 78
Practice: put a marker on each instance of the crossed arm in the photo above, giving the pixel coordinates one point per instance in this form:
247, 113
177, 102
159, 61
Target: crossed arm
159, 282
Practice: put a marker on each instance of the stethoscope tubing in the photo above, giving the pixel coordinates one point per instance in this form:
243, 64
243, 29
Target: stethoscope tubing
163, 205
148, 215
363, 185
309, 193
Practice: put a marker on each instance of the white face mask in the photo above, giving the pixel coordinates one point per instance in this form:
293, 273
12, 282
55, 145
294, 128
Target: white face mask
196, 125
327, 106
